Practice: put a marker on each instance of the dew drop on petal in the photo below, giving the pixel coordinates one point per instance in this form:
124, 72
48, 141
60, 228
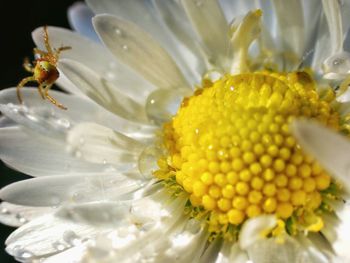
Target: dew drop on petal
5, 211
58, 246
147, 162
71, 238
24, 255
162, 104
55, 200
118, 31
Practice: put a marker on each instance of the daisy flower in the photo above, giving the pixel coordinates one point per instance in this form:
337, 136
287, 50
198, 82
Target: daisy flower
195, 131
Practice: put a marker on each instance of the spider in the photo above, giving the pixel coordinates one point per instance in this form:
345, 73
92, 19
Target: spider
44, 70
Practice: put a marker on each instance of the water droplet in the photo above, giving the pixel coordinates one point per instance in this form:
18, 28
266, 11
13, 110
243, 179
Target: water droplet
55, 200
213, 75
5, 211
82, 140
78, 154
147, 162
23, 255
71, 238
104, 161
118, 31
338, 61
21, 219
58, 246
162, 104
125, 47
193, 226
199, 3
64, 123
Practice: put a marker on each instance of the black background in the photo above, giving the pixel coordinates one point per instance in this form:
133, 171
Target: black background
18, 19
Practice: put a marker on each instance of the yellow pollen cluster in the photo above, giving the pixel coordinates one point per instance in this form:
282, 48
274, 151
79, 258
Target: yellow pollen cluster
231, 150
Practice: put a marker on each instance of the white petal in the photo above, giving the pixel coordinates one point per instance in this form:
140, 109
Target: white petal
178, 23
62, 189
16, 215
94, 56
41, 156
270, 251
329, 148
97, 214
102, 91
79, 17
131, 45
144, 15
244, 30
71, 255
333, 15
100, 144
47, 119
341, 243
44, 236
290, 23
252, 230
209, 22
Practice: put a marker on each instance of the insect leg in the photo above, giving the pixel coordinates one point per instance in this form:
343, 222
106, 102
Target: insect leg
46, 41
41, 89
21, 85
51, 99
28, 66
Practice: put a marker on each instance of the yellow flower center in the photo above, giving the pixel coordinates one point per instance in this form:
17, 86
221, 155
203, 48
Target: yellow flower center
229, 147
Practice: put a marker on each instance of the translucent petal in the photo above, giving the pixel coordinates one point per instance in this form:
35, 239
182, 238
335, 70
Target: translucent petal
64, 189
131, 45
99, 144
41, 156
16, 215
47, 119
253, 229
290, 23
102, 91
97, 214
329, 148
334, 20
46, 235
79, 17
146, 16
210, 24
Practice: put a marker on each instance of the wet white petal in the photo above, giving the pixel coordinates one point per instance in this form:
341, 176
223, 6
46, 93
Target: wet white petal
209, 22
290, 23
64, 189
40, 156
253, 230
97, 214
46, 235
244, 31
88, 139
47, 119
270, 251
16, 215
333, 16
79, 17
71, 255
102, 91
133, 45
144, 14
329, 148
178, 23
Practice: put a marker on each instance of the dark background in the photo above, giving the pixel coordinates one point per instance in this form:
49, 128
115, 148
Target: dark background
18, 20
